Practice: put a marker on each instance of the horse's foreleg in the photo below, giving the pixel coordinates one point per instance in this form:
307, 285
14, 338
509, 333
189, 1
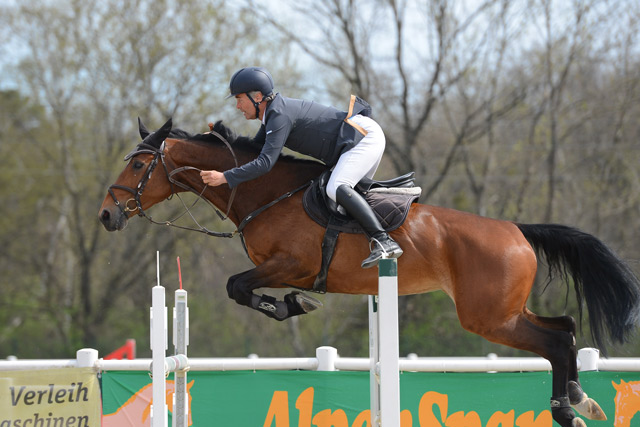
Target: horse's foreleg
240, 288
579, 400
294, 304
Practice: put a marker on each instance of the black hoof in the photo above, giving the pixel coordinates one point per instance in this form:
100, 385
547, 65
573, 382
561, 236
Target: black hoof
294, 304
301, 303
575, 393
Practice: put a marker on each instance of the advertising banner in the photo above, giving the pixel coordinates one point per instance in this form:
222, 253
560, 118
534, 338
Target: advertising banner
50, 398
341, 399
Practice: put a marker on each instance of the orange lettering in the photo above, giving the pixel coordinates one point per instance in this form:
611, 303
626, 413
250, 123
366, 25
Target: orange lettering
363, 419
327, 418
278, 410
426, 416
304, 405
544, 419
460, 419
406, 420
505, 420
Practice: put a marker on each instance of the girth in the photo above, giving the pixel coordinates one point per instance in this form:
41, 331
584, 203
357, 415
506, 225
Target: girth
390, 204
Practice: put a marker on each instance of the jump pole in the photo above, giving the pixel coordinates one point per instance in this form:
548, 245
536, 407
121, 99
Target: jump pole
161, 365
384, 372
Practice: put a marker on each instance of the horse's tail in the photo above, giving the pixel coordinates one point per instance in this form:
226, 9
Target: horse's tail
607, 284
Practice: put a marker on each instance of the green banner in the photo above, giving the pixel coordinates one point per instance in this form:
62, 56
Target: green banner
341, 399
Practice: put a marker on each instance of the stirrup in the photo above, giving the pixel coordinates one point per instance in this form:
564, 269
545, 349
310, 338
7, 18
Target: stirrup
372, 260
395, 252
378, 252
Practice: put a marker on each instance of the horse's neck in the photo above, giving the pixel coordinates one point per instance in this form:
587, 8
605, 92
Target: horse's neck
251, 195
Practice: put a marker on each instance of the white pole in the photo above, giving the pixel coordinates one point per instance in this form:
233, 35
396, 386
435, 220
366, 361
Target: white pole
159, 416
387, 344
158, 268
374, 353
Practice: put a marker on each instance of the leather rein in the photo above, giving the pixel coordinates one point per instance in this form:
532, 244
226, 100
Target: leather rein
159, 157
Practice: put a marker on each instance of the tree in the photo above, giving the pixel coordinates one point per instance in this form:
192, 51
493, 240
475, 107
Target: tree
90, 69
520, 110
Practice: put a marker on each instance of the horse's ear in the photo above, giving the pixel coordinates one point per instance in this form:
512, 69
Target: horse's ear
165, 129
157, 138
143, 129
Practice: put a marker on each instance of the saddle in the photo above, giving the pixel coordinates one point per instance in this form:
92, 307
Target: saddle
390, 201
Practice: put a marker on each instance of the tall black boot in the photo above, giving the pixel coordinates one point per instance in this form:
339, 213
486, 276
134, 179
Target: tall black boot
381, 244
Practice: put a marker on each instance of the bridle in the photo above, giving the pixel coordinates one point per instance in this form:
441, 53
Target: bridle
134, 203
159, 157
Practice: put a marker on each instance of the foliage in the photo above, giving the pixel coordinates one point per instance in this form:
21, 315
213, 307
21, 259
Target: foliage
520, 110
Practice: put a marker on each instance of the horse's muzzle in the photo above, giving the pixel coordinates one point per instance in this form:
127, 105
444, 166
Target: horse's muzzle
113, 219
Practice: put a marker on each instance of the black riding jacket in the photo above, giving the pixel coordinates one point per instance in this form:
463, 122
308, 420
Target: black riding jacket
309, 128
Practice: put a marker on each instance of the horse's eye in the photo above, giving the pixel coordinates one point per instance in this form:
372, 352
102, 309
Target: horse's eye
137, 164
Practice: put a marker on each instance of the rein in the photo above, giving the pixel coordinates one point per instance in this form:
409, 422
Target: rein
186, 187
158, 154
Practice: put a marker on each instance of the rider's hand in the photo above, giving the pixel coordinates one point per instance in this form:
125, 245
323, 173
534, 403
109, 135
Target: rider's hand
213, 178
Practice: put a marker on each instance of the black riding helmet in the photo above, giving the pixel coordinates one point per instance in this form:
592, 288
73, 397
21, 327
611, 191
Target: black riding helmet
250, 79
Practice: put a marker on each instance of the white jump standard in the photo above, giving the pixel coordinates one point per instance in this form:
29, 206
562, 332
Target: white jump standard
384, 343
161, 366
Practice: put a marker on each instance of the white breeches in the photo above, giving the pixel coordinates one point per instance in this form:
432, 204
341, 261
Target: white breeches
362, 160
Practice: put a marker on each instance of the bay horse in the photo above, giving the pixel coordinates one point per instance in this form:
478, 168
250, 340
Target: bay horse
486, 266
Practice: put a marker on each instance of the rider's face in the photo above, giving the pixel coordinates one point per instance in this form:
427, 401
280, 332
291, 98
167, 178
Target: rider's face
244, 104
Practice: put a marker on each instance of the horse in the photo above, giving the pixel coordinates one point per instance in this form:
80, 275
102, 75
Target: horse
627, 402
486, 266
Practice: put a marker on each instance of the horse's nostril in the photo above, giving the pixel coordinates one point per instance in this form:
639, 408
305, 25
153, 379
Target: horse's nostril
105, 215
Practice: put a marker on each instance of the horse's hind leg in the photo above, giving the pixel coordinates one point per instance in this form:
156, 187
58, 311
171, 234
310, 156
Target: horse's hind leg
552, 344
579, 400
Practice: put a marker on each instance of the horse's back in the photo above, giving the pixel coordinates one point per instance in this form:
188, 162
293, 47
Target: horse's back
461, 248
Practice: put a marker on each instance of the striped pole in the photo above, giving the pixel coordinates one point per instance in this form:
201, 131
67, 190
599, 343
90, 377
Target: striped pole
383, 347
181, 341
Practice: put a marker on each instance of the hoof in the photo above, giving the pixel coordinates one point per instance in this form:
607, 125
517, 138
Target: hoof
578, 422
306, 302
590, 409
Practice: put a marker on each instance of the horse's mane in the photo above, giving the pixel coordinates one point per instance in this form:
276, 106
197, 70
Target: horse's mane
238, 142
222, 130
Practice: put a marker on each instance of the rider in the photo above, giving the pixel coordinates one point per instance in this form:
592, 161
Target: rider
350, 142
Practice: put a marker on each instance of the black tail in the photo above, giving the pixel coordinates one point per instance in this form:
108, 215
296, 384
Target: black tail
609, 287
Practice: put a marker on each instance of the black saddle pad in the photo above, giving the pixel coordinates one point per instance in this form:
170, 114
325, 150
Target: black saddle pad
391, 209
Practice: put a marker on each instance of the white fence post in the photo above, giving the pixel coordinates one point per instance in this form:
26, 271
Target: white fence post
326, 358
86, 358
383, 348
159, 417
588, 358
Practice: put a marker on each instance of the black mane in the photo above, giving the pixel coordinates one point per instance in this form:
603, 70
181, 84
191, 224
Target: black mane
228, 134
236, 141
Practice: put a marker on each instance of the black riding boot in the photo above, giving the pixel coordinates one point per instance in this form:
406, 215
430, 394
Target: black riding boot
380, 242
